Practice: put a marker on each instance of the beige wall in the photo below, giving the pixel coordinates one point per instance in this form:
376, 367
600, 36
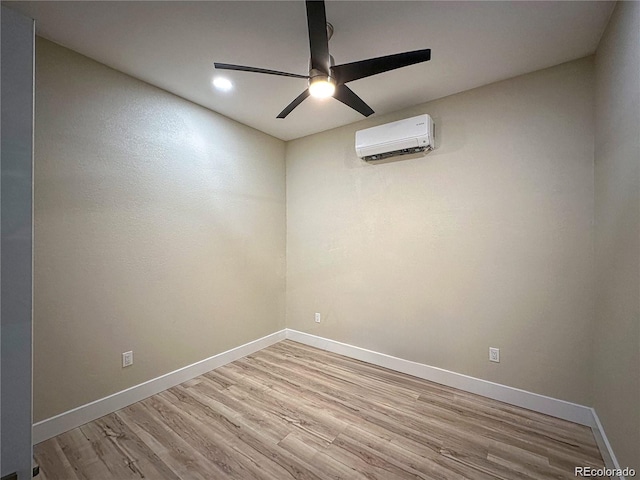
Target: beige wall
159, 228
617, 233
487, 241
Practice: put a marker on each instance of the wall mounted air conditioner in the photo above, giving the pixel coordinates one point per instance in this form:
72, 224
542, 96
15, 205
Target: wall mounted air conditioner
411, 135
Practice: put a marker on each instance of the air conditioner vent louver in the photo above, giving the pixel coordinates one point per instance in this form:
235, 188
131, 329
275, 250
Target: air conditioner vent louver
404, 151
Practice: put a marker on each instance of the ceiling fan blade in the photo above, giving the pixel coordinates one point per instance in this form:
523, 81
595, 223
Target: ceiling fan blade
350, 99
294, 104
241, 68
348, 72
318, 40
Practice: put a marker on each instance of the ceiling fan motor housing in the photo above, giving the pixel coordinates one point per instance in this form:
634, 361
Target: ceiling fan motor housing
318, 76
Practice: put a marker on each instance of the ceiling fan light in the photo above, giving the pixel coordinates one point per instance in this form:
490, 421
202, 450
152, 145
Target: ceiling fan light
322, 87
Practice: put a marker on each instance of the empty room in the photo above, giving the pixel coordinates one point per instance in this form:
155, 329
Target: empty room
320, 240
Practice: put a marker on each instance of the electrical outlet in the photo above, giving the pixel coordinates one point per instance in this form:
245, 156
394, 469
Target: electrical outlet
127, 359
494, 354
317, 317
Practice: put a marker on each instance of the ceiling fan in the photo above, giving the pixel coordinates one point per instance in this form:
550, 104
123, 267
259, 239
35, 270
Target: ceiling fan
328, 80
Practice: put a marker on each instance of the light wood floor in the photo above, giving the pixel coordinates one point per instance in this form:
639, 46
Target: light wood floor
295, 412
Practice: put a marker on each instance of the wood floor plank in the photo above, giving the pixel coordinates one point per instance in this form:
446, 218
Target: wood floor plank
295, 412
85, 455
118, 463
290, 466
51, 458
143, 461
239, 436
202, 437
359, 369
356, 407
185, 461
309, 452
429, 463
350, 377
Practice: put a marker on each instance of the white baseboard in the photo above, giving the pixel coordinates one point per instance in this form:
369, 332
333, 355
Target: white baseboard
86, 413
610, 460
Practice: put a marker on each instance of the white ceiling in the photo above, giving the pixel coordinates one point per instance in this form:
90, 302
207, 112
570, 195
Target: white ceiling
173, 45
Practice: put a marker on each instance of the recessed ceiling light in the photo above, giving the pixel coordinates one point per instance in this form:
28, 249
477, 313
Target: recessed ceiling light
222, 84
